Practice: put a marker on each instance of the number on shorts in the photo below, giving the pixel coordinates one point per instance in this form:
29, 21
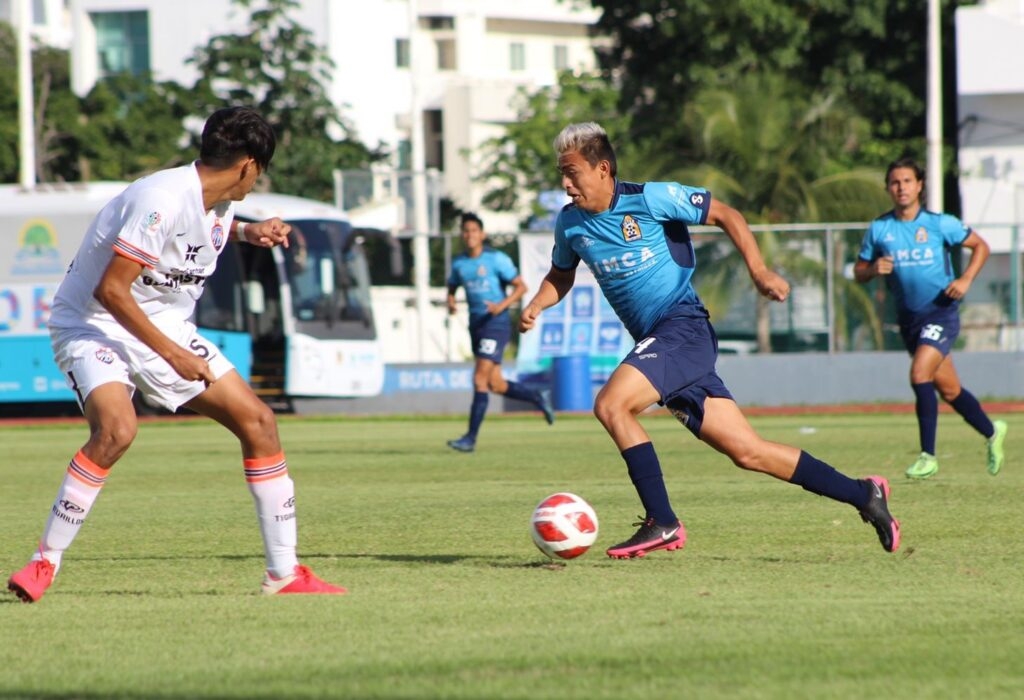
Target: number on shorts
932, 331
199, 349
488, 346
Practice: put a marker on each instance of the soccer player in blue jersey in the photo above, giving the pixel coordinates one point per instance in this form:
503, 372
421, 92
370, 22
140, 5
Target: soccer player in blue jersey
634, 239
909, 246
485, 273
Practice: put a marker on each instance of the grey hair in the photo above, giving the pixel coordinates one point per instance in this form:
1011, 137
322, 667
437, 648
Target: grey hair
590, 140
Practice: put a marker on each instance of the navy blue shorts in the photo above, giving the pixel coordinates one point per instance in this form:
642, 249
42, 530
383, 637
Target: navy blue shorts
938, 327
678, 359
489, 336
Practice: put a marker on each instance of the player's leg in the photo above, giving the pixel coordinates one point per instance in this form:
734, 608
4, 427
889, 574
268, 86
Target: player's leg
520, 392
99, 376
627, 393
947, 382
923, 367
233, 404
725, 428
482, 369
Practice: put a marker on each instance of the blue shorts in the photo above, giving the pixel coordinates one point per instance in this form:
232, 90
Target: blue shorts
937, 327
489, 336
678, 358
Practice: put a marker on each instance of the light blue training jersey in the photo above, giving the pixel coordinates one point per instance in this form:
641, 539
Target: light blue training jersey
920, 249
639, 250
484, 278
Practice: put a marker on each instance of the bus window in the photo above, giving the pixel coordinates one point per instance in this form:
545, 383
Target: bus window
329, 280
222, 306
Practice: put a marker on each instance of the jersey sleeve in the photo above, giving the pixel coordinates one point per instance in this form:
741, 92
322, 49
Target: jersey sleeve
505, 268
453, 277
867, 245
145, 226
562, 255
670, 201
954, 231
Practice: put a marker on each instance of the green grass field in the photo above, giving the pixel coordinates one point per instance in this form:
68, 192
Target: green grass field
777, 594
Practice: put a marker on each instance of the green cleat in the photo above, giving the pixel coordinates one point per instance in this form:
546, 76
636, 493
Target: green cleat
995, 447
925, 466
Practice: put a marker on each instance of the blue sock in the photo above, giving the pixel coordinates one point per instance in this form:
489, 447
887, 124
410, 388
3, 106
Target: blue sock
927, 414
477, 411
817, 477
967, 406
645, 473
520, 392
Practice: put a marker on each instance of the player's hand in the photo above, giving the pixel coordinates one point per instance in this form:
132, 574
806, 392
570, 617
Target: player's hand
191, 367
492, 308
957, 288
268, 234
528, 317
771, 285
883, 266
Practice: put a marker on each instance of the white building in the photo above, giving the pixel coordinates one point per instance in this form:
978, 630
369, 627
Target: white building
50, 23
990, 105
470, 57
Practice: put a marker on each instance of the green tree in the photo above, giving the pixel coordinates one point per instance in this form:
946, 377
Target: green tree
275, 67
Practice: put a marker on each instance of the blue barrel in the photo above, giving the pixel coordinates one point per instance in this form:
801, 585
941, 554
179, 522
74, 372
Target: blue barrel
572, 390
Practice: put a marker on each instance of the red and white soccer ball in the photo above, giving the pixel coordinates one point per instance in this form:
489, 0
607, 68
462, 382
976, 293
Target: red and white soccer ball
563, 526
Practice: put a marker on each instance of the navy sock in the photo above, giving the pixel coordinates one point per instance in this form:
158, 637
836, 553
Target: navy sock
645, 473
817, 477
521, 393
477, 411
967, 406
927, 406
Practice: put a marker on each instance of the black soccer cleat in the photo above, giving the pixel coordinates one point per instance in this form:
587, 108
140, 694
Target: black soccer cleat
650, 538
876, 512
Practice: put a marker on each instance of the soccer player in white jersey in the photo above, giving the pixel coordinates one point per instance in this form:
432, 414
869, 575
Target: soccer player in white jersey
634, 238
120, 322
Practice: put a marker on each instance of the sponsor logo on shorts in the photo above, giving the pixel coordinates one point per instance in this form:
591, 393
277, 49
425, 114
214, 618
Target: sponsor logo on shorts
105, 355
648, 356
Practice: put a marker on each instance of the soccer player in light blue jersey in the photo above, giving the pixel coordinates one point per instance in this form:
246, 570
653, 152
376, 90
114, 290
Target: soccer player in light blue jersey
909, 246
634, 238
485, 274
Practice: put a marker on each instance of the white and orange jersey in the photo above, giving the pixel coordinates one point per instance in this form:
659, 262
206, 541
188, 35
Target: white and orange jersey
160, 222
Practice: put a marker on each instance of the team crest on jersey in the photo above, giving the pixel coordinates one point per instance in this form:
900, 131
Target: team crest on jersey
153, 220
481, 271
631, 229
217, 234
105, 355
921, 235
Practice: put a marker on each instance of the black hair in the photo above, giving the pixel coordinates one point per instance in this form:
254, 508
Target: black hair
905, 162
233, 133
470, 217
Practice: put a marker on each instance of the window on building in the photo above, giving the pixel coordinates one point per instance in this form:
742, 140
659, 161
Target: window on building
402, 57
437, 23
433, 141
446, 58
561, 57
122, 42
517, 56
39, 12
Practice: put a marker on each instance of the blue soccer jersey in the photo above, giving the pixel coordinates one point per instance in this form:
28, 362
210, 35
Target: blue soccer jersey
639, 249
919, 249
484, 278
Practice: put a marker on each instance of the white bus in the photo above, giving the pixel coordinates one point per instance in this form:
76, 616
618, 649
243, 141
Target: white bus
296, 322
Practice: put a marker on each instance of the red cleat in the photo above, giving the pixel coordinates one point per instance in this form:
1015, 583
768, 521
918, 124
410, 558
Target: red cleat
30, 583
301, 581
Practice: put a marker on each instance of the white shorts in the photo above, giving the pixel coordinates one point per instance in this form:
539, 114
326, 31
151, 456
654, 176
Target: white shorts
87, 358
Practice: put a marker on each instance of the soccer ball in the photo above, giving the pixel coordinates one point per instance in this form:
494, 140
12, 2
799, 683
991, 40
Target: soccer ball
563, 526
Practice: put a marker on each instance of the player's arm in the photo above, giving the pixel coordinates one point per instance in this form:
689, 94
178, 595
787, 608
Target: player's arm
518, 290
867, 270
265, 234
979, 254
768, 283
114, 293
556, 285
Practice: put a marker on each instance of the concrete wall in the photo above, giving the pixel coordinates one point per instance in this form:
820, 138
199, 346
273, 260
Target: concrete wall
806, 379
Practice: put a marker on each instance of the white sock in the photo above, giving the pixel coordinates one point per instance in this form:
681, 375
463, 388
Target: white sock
274, 493
81, 486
